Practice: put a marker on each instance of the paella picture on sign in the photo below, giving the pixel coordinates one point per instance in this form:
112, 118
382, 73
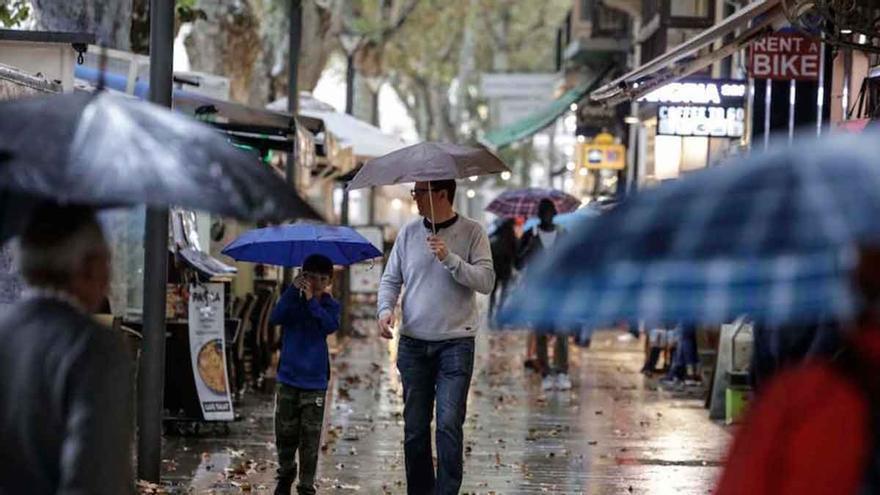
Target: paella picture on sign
211, 366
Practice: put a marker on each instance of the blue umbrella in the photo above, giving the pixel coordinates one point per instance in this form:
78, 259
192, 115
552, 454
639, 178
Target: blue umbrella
290, 245
567, 220
769, 235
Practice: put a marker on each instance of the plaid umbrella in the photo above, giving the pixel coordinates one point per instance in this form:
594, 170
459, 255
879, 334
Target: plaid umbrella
524, 202
770, 236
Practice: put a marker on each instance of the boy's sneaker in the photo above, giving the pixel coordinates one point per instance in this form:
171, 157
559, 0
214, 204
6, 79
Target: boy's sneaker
549, 383
563, 382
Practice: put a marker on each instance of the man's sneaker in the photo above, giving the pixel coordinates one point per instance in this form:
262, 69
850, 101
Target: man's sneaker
549, 383
563, 382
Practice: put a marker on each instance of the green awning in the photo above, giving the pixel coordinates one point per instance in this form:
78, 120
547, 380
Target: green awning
536, 122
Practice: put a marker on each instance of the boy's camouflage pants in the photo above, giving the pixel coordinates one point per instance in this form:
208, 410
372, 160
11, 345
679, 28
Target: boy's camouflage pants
299, 415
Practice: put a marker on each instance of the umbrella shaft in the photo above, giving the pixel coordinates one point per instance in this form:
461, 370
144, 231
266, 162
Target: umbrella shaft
431, 202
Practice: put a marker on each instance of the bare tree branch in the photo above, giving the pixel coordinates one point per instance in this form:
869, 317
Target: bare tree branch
398, 23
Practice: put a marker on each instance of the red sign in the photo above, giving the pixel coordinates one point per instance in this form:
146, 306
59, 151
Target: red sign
784, 56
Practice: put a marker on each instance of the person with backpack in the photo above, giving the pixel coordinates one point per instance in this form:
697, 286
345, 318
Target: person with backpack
535, 241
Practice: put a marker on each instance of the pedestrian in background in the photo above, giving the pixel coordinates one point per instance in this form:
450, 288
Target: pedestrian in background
441, 274
308, 314
535, 241
65, 381
504, 246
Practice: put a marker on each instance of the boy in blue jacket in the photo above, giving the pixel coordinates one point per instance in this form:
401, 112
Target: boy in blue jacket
308, 314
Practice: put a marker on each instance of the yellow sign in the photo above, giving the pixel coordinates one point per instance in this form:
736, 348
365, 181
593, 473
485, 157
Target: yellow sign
601, 154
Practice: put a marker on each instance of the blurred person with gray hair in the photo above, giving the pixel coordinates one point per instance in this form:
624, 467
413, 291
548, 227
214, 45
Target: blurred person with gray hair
65, 381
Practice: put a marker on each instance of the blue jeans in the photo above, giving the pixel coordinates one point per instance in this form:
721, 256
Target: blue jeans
685, 352
430, 370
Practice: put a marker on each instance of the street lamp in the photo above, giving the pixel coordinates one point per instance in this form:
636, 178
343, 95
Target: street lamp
505, 175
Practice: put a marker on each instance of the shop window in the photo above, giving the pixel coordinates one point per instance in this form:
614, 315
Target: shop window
677, 36
689, 8
610, 22
124, 230
650, 9
667, 157
586, 10
694, 153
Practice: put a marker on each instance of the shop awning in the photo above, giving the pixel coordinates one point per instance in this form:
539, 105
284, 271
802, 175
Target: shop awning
366, 140
695, 54
538, 121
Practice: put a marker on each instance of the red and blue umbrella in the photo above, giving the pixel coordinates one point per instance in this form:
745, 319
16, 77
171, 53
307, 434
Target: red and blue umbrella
524, 202
290, 245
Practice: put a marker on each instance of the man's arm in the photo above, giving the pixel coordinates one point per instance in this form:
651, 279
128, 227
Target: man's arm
478, 272
97, 392
390, 287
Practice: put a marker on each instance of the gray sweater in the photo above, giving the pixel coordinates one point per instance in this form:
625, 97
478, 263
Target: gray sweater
439, 300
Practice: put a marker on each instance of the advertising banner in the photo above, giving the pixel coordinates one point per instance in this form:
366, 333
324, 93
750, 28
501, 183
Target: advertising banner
784, 56
207, 339
700, 107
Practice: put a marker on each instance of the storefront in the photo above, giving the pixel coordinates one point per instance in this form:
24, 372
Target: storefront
690, 125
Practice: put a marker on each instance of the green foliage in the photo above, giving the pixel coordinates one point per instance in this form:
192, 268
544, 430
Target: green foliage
14, 12
187, 11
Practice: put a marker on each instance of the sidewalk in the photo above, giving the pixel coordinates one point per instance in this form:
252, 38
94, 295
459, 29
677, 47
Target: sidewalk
614, 433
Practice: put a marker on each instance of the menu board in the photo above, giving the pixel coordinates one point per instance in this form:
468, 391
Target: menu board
207, 339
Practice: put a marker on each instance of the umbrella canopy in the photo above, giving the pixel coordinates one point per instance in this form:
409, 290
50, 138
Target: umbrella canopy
567, 220
427, 162
290, 245
106, 150
769, 237
524, 202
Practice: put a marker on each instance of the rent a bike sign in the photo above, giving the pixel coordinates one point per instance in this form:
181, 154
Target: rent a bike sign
784, 55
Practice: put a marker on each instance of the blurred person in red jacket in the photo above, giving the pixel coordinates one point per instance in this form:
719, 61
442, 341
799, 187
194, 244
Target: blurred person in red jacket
814, 428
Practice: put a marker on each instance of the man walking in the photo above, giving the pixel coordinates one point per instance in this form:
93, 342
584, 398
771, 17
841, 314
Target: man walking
435, 356
65, 381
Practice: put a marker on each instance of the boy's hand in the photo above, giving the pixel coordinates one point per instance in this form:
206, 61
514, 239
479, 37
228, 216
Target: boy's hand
385, 324
304, 286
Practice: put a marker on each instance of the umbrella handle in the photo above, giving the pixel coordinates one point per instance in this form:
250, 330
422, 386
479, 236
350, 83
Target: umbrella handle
431, 202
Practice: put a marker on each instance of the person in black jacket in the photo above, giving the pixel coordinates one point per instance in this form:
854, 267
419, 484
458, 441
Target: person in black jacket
504, 246
65, 381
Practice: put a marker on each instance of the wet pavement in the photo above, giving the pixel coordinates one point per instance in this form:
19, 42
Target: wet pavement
615, 432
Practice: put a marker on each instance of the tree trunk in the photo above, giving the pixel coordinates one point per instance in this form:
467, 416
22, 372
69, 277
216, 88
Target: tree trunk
248, 43
110, 20
466, 66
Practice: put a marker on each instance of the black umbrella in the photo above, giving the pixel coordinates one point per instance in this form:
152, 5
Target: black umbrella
106, 150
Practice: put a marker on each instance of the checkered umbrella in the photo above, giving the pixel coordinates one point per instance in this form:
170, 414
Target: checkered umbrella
770, 235
524, 202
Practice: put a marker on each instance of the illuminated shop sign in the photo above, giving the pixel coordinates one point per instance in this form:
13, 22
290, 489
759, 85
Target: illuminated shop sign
700, 107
